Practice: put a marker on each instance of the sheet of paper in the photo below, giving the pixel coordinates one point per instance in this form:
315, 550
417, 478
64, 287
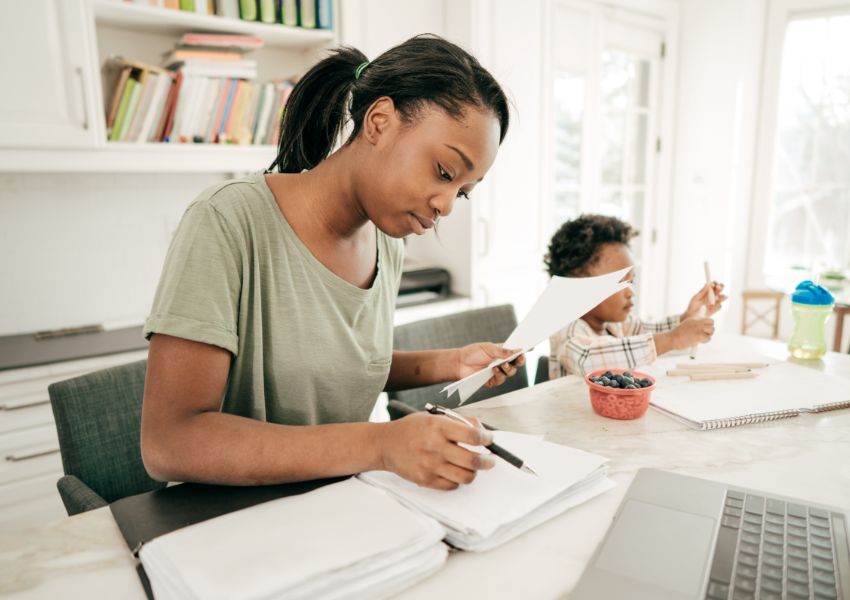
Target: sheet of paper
563, 301
502, 494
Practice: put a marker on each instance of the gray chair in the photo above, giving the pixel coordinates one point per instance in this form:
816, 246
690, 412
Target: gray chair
491, 324
542, 373
98, 419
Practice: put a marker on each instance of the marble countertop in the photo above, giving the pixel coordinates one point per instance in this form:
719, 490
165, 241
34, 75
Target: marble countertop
806, 457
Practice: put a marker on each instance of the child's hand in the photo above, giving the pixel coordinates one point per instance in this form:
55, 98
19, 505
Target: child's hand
691, 332
700, 299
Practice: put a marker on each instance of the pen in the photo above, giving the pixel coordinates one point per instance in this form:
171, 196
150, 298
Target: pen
502, 453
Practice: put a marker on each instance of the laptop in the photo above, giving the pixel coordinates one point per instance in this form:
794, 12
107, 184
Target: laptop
676, 537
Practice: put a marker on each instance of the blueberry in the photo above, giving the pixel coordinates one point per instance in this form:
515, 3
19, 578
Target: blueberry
645, 382
608, 374
615, 384
627, 374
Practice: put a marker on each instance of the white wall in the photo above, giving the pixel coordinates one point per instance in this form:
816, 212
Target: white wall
718, 94
83, 249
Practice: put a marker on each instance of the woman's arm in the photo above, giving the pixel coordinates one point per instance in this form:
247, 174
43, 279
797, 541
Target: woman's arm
185, 437
412, 369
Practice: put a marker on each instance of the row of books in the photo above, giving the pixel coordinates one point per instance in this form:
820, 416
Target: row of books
153, 104
310, 14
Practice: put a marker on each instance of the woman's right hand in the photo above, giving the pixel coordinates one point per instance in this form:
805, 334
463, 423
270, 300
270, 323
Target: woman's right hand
691, 332
423, 448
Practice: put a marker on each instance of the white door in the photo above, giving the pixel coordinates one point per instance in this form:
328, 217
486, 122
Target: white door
603, 82
47, 76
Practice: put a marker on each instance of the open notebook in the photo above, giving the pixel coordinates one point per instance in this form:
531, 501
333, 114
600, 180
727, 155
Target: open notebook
504, 502
780, 391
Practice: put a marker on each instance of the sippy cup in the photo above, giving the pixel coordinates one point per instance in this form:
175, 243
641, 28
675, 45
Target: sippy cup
811, 305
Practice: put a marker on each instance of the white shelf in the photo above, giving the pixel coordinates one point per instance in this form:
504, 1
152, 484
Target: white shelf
163, 20
140, 158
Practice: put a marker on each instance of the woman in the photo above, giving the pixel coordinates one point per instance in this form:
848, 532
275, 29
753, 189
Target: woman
271, 329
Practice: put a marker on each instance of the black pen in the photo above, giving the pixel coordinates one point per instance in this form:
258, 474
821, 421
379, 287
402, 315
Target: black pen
496, 449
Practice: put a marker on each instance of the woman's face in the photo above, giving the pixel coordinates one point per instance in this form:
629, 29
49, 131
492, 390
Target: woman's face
416, 171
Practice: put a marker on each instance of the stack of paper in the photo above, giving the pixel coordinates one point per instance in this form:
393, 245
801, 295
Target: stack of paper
504, 502
343, 540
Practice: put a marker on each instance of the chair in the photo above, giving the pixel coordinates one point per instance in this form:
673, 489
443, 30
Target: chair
768, 315
542, 373
98, 419
491, 324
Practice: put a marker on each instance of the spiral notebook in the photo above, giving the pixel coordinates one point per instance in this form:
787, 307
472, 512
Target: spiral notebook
780, 391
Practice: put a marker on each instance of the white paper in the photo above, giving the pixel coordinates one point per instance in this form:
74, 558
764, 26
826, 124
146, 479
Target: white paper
345, 539
563, 301
504, 501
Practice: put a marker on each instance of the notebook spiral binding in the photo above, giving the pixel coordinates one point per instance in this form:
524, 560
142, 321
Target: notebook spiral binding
831, 406
750, 419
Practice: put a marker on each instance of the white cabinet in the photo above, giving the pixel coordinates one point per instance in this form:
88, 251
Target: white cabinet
53, 105
47, 98
30, 464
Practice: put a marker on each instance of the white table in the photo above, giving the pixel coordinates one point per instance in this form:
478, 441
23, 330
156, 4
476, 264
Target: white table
85, 556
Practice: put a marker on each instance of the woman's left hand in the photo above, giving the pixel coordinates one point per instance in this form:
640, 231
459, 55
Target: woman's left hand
474, 357
701, 299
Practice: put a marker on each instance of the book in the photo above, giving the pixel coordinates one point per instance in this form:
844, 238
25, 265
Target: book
217, 40
345, 539
307, 14
781, 390
289, 13
228, 108
148, 83
117, 95
324, 14
238, 69
196, 53
248, 10
217, 111
187, 5
147, 130
267, 12
123, 107
228, 8
165, 136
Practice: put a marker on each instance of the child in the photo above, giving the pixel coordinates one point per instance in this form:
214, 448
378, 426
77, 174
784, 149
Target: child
607, 337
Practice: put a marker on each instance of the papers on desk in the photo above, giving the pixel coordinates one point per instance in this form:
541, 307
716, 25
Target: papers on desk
563, 301
781, 390
347, 539
504, 502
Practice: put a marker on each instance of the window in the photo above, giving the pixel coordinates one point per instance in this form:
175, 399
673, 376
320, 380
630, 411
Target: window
809, 225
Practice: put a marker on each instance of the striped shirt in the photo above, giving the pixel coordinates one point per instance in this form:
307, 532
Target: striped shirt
578, 349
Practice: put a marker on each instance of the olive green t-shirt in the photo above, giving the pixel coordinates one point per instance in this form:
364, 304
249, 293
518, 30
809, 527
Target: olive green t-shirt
308, 347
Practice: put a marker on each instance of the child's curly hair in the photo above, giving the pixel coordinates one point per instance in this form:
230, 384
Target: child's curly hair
575, 246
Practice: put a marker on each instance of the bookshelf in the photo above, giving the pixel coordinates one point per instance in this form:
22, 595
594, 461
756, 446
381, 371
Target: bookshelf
59, 125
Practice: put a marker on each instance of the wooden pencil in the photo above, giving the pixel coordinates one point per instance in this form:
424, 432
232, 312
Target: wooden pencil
722, 375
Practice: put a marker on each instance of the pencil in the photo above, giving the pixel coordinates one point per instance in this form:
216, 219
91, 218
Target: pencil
707, 366
680, 372
722, 375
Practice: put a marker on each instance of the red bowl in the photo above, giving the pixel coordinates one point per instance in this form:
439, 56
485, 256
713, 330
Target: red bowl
617, 403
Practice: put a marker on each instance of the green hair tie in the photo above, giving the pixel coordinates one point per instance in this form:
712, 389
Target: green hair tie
359, 70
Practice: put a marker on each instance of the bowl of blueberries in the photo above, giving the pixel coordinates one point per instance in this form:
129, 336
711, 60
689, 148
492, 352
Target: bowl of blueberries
618, 393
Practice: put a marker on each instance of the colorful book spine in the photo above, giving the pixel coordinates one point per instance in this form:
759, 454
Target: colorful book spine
324, 14
248, 10
307, 14
121, 114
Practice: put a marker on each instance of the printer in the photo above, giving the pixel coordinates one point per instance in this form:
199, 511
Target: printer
419, 285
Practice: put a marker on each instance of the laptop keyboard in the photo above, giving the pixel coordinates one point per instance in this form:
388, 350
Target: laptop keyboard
768, 548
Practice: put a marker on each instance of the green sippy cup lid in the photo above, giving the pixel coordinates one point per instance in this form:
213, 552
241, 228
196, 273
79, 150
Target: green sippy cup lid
808, 292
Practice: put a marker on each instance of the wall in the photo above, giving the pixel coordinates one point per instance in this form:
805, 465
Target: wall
716, 116
85, 248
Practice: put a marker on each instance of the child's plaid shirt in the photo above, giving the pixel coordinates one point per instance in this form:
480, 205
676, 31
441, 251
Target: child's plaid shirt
578, 349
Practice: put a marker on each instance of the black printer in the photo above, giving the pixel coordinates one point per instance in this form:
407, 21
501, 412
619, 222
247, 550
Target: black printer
423, 285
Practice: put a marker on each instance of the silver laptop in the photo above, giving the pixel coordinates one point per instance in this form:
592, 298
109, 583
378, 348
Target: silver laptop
682, 537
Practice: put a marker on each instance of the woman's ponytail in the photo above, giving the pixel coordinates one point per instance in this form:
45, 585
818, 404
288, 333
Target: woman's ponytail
316, 111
